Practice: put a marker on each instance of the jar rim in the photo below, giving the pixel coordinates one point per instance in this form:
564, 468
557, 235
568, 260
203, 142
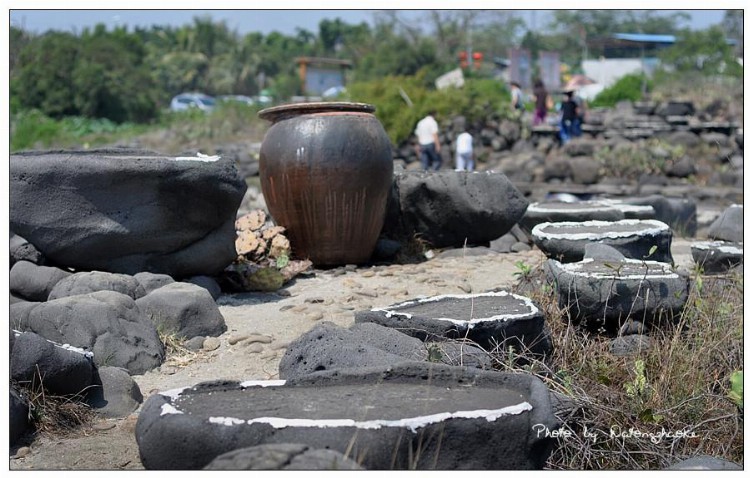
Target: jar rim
276, 113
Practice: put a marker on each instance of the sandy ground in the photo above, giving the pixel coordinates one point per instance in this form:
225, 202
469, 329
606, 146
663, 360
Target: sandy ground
327, 295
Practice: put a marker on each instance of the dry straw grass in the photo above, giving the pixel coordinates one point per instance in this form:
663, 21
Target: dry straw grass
54, 415
676, 394
177, 355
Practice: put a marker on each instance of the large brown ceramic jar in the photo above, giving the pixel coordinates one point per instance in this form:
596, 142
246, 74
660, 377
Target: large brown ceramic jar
326, 171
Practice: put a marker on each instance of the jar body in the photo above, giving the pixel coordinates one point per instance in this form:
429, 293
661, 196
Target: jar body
326, 171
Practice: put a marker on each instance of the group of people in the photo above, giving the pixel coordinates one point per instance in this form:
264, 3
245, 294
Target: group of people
428, 146
571, 109
428, 141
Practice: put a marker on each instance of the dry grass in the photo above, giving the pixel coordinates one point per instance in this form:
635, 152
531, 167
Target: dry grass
176, 353
54, 415
676, 394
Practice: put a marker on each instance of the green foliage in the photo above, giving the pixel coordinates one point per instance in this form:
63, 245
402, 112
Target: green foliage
706, 51
637, 387
477, 99
629, 87
31, 129
434, 354
736, 394
43, 78
524, 270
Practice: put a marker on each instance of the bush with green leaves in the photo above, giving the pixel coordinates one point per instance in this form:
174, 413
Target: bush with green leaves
391, 96
629, 87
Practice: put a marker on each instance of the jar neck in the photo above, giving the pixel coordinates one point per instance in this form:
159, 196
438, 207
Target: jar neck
278, 113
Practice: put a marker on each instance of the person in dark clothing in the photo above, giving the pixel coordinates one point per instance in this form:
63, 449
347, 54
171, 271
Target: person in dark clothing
540, 102
569, 118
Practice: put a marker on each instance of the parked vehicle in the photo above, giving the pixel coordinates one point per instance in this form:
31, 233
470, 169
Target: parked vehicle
263, 100
238, 98
185, 101
334, 91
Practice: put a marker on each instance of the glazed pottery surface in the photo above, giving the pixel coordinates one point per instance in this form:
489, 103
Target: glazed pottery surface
326, 170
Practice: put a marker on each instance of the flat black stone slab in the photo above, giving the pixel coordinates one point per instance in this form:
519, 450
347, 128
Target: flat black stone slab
554, 211
600, 293
489, 319
410, 416
717, 256
566, 241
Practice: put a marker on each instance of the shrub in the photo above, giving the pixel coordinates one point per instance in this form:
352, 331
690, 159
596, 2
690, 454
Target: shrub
629, 87
31, 129
477, 99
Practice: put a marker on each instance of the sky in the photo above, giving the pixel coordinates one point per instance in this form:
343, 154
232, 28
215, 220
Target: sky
245, 21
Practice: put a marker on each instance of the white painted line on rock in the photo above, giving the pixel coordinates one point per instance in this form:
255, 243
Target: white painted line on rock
262, 383
199, 157
586, 207
412, 424
389, 311
174, 393
78, 350
657, 227
169, 409
721, 246
665, 270
625, 207
228, 421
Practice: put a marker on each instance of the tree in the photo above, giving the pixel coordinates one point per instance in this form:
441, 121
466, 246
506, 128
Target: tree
703, 50
18, 39
110, 79
44, 77
579, 30
734, 27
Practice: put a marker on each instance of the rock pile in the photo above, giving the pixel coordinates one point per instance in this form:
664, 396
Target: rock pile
83, 334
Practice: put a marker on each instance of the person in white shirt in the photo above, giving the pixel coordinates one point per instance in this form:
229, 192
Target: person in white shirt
428, 144
464, 152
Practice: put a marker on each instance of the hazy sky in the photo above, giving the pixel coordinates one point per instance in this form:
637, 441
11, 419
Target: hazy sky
244, 21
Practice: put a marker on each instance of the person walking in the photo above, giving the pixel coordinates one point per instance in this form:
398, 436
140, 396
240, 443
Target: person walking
580, 114
428, 143
541, 99
516, 96
464, 152
569, 110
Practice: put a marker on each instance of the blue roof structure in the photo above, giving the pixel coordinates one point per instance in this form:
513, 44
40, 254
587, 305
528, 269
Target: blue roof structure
645, 38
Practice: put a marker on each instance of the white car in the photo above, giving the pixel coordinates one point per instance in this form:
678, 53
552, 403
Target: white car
334, 91
186, 101
238, 98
